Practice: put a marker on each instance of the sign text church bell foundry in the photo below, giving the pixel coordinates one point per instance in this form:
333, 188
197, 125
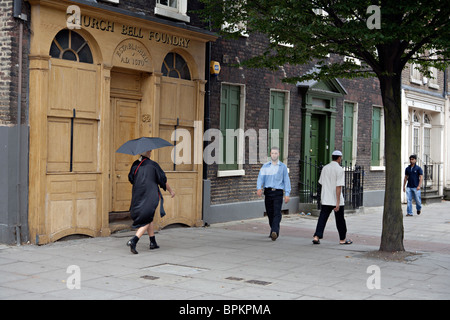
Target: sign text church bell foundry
111, 77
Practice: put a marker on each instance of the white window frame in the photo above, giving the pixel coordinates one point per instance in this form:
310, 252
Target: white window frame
241, 139
414, 74
241, 27
355, 129
178, 13
287, 100
352, 60
433, 82
382, 167
416, 128
426, 142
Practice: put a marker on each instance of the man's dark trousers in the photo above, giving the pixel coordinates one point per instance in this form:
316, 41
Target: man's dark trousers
323, 218
273, 201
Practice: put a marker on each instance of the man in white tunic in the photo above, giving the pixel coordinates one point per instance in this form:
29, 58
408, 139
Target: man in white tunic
332, 180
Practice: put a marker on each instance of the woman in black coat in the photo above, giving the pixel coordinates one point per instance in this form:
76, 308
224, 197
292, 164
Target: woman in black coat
146, 176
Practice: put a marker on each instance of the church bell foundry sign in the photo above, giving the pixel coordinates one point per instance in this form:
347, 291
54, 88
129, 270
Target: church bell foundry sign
132, 31
132, 53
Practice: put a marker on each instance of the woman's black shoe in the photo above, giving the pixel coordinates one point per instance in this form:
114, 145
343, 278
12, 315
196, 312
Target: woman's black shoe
132, 244
153, 244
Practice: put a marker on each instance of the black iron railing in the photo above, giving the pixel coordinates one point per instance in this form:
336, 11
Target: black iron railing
354, 186
310, 189
431, 175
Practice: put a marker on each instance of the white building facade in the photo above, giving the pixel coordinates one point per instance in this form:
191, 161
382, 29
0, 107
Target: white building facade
425, 133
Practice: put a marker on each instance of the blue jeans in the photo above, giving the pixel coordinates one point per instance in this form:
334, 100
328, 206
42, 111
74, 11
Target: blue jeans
413, 193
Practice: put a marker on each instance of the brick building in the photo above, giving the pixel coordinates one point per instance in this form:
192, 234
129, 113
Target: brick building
76, 83
425, 127
230, 191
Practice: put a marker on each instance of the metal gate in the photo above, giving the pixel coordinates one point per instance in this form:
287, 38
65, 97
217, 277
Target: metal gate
310, 189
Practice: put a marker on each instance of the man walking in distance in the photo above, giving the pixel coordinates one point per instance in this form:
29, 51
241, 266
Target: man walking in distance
332, 180
414, 177
273, 178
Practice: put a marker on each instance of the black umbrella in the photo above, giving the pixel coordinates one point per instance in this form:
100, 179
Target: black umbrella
141, 145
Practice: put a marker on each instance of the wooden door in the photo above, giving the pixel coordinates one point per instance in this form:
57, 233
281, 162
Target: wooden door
314, 135
318, 143
125, 127
71, 141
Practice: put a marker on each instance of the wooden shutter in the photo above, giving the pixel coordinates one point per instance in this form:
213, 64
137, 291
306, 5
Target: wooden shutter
347, 135
73, 91
229, 119
276, 119
177, 109
376, 126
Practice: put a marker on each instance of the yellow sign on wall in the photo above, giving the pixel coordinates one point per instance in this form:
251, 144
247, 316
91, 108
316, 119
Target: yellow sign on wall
214, 68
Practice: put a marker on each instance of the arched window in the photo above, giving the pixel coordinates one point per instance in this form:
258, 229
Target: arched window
175, 66
69, 45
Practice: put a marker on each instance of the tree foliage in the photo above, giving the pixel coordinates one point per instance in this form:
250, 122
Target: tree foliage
410, 31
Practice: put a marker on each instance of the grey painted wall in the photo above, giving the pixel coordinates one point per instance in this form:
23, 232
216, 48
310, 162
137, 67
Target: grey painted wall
12, 200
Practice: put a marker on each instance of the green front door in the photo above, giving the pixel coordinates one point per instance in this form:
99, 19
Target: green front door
316, 155
314, 141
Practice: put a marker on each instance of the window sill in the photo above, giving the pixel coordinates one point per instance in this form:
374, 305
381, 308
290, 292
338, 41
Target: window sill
433, 86
377, 168
230, 173
416, 81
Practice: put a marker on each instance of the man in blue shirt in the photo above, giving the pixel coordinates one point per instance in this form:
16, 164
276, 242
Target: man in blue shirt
273, 178
414, 177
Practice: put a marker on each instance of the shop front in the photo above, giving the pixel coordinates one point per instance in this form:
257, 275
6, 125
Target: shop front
98, 79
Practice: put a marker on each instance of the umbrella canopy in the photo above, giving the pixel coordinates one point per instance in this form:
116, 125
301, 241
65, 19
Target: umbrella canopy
141, 145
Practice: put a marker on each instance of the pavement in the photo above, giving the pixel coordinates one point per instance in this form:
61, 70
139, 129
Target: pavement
238, 261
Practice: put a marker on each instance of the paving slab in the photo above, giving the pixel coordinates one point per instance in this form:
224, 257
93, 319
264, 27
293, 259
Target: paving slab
238, 261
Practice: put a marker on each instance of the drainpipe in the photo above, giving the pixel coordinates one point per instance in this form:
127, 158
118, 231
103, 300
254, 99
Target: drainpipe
17, 12
207, 117
444, 92
446, 129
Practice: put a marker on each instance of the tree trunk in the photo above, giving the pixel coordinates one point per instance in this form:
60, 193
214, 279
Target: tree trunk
392, 234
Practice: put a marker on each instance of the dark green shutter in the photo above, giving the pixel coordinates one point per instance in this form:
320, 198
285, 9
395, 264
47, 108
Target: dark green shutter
276, 119
347, 135
376, 128
229, 119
